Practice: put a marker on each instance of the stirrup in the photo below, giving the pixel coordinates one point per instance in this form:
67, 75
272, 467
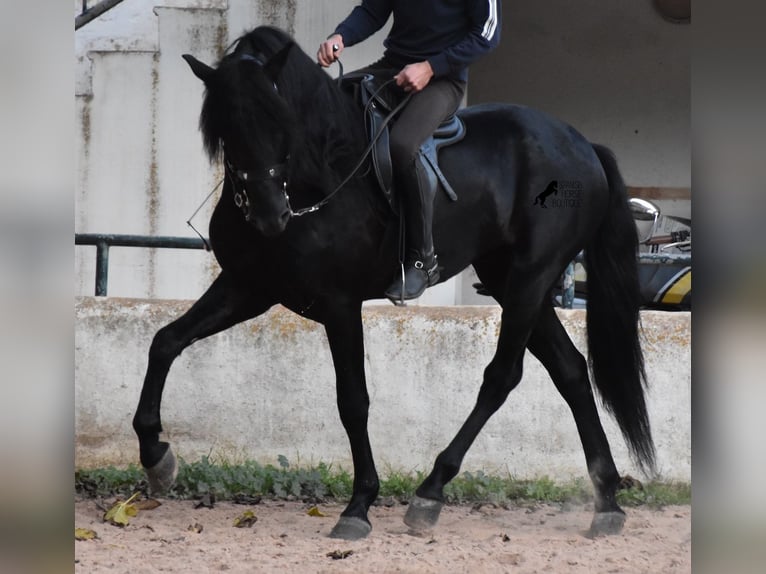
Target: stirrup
400, 301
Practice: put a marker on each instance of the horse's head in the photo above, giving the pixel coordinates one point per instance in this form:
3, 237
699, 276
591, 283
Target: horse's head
246, 122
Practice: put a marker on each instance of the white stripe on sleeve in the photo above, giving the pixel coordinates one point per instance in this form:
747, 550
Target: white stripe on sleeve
491, 24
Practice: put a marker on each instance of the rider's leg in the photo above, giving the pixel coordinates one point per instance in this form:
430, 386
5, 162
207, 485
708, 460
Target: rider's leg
422, 115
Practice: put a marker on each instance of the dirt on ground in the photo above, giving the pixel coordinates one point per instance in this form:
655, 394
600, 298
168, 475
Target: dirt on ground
177, 537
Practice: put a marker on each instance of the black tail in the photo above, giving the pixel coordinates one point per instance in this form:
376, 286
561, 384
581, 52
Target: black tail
614, 350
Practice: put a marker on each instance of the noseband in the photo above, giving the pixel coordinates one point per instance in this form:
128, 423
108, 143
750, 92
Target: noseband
240, 179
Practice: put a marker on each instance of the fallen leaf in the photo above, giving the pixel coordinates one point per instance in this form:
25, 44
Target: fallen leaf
388, 501
314, 511
627, 482
121, 512
147, 504
247, 499
340, 554
84, 534
207, 501
246, 519
196, 527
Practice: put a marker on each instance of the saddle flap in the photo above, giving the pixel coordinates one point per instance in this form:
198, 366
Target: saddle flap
378, 97
448, 129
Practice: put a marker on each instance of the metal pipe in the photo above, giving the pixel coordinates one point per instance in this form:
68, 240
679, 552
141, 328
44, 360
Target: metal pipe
102, 268
104, 241
162, 241
89, 14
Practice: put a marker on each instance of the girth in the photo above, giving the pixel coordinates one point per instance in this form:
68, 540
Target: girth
378, 104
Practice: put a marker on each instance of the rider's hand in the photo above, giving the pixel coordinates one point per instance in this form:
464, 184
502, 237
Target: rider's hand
330, 50
414, 77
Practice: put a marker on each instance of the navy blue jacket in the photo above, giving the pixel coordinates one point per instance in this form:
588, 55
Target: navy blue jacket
449, 34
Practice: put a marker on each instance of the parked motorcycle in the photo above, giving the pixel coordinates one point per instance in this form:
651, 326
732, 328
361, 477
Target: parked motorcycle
664, 267
664, 264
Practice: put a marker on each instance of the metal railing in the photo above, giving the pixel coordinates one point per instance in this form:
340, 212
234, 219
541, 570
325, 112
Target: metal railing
104, 241
93, 12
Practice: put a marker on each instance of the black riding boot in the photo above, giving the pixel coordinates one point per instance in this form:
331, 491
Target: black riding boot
420, 266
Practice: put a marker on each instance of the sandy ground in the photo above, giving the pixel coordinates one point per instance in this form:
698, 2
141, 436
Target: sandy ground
540, 538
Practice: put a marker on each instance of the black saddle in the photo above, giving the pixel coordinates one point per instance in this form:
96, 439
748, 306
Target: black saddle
379, 101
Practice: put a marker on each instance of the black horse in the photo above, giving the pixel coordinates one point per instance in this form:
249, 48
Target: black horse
288, 137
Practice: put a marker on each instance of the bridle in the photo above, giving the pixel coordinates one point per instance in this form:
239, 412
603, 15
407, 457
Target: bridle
279, 171
242, 177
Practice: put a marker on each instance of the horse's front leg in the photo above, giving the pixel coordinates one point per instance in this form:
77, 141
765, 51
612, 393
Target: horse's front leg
344, 333
223, 305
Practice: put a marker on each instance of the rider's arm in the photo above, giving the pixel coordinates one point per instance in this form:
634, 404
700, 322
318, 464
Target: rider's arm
364, 20
482, 38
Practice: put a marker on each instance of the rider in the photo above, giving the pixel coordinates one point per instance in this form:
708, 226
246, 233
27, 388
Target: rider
428, 51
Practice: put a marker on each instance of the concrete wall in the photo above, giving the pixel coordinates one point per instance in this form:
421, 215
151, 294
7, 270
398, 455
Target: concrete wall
266, 387
141, 167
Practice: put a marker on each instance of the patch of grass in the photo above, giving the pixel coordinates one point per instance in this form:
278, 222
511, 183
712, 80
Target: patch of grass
228, 481
108, 481
399, 485
656, 494
471, 487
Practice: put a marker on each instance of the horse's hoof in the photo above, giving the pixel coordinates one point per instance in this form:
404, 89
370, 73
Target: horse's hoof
163, 474
351, 528
422, 513
606, 523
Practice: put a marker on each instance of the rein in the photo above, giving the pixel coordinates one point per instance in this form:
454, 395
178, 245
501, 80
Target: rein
278, 170
364, 155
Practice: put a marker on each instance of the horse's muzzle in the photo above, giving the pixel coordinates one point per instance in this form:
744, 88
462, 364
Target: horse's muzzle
270, 227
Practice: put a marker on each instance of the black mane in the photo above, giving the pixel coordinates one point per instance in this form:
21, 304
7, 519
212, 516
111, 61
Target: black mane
322, 125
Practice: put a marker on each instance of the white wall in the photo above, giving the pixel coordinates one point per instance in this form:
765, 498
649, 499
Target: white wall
141, 166
267, 387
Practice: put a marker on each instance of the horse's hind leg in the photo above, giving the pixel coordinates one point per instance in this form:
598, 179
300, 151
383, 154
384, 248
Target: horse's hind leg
224, 304
522, 301
551, 344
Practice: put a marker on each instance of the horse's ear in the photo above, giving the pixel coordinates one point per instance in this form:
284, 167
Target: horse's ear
202, 71
277, 61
